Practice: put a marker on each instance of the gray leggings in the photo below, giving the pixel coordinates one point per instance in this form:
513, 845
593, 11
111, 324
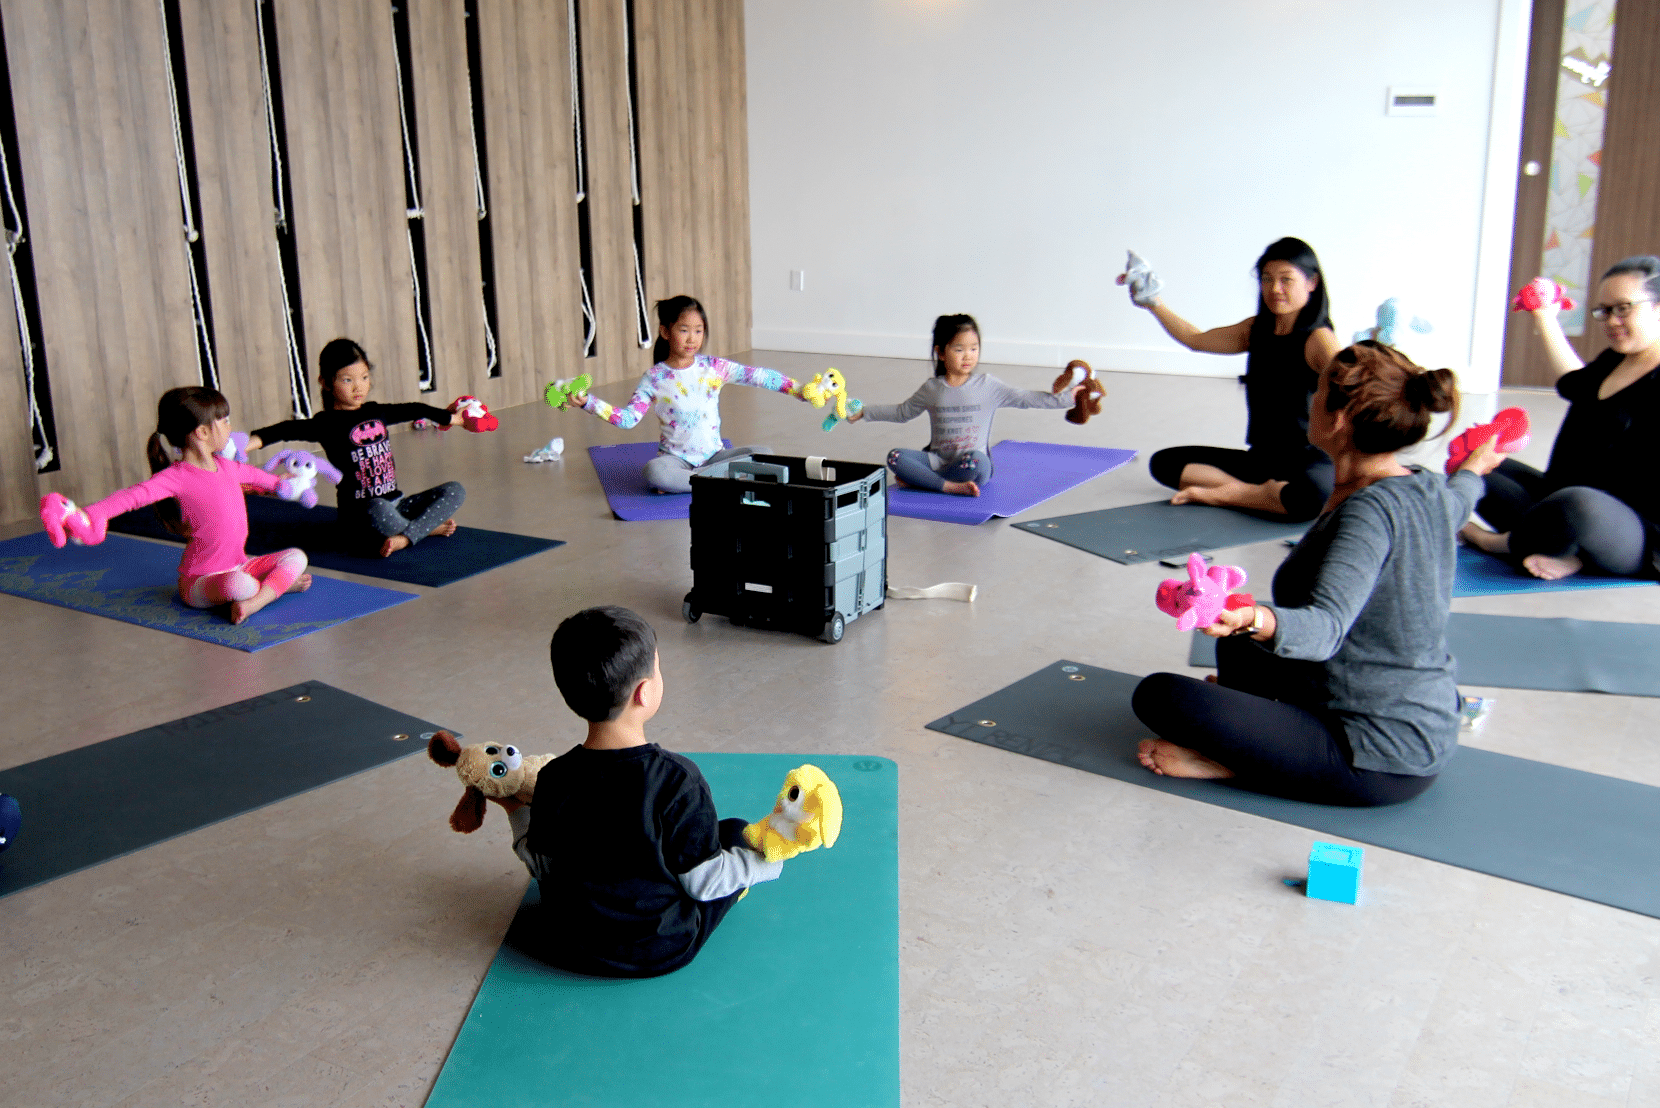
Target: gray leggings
1600, 529
917, 468
417, 515
672, 473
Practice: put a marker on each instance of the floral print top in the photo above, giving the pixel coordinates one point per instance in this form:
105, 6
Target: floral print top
687, 403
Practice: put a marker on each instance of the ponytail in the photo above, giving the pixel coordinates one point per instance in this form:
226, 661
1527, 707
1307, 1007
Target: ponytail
946, 328
1389, 400
178, 413
668, 314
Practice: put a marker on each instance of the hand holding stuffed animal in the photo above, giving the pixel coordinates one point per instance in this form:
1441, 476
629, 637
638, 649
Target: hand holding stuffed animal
488, 771
1087, 401
475, 416
808, 815
830, 387
1197, 601
562, 392
300, 470
65, 522
1540, 292
1511, 426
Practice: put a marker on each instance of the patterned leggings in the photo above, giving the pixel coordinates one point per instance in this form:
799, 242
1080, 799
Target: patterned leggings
279, 570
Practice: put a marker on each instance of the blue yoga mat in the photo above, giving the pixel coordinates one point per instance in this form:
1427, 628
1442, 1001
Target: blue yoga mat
793, 1000
434, 562
137, 582
1484, 575
1024, 475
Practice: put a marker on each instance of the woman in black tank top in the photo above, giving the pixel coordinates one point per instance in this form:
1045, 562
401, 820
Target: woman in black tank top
1288, 343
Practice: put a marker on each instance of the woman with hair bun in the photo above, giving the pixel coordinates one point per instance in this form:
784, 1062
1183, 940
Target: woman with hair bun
1597, 506
1340, 691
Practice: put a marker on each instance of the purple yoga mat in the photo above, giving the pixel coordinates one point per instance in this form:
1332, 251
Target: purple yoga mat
619, 469
1024, 475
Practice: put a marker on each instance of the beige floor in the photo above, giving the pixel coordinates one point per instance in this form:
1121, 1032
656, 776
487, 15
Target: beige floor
1065, 939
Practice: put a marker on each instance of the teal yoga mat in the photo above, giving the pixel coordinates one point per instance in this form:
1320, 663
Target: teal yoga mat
793, 1000
1583, 834
1139, 533
1484, 575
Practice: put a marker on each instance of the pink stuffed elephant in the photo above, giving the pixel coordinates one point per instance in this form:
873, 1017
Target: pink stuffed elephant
1204, 596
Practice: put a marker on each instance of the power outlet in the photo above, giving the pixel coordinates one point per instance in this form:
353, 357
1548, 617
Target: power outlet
798, 280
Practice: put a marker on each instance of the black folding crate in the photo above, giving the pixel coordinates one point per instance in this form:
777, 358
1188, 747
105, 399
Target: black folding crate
773, 547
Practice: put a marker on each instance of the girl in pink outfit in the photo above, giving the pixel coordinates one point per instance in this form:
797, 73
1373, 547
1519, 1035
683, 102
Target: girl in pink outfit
203, 501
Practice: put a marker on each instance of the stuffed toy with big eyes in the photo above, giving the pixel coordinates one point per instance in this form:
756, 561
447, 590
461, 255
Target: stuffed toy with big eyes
808, 815
488, 771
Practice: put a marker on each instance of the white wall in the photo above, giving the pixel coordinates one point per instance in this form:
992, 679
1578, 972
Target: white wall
914, 157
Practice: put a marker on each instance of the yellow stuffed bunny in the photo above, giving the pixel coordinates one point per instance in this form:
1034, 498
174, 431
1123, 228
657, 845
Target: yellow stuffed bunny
808, 815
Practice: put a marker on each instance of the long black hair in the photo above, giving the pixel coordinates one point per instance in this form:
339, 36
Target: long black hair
1317, 312
179, 412
336, 355
946, 328
668, 314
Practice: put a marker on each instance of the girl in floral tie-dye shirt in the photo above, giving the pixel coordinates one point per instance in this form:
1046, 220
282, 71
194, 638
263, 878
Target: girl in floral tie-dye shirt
684, 389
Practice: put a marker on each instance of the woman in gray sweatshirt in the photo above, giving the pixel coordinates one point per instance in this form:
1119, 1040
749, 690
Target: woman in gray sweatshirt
1341, 690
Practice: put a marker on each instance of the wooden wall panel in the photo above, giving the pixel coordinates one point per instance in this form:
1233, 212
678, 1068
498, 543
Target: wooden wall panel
693, 138
233, 169
19, 495
340, 93
96, 146
443, 122
527, 109
1628, 200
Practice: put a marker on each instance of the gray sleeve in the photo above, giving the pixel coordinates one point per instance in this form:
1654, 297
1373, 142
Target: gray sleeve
519, 821
1469, 488
1007, 396
1343, 585
736, 867
919, 402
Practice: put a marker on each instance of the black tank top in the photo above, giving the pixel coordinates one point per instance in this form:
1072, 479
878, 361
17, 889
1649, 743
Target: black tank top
1278, 388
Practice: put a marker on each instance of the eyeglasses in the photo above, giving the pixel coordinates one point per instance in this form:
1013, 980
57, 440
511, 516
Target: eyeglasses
1618, 311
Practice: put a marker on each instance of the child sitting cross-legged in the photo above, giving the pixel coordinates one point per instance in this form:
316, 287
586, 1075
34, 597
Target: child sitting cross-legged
635, 868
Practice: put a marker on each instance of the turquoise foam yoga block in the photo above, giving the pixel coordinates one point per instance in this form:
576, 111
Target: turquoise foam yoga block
793, 1000
1334, 872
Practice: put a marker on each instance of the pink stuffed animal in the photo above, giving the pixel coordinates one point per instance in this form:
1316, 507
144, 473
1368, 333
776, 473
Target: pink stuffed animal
1510, 425
1204, 596
475, 416
66, 523
1539, 292
300, 469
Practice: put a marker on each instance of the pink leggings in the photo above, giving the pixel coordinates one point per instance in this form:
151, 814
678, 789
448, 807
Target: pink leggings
279, 571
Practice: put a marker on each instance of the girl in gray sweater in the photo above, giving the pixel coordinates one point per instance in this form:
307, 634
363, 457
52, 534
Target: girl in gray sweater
1341, 691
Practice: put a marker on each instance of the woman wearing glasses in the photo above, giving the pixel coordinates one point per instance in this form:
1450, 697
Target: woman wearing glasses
1597, 505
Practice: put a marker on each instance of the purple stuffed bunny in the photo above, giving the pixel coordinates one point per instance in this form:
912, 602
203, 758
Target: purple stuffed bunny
300, 470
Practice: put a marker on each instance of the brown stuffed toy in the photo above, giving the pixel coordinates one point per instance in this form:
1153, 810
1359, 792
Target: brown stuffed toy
490, 771
1089, 397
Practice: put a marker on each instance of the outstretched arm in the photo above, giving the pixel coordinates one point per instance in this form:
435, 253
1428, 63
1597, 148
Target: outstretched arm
756, 377
1233, 339
628, 415
1559, 352
903, 412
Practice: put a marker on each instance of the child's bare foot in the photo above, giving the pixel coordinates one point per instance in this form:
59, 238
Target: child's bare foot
242, 609
1548, 568
1482, 539
1170, 760
962, 488
301, 583
392, 545
446, 529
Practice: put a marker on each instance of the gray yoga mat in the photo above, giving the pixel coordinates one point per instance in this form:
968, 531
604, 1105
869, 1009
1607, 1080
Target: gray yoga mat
1140, 533
98, 802
1594, 837
1520, 652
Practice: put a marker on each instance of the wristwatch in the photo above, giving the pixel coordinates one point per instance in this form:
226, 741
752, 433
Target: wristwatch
1256, 622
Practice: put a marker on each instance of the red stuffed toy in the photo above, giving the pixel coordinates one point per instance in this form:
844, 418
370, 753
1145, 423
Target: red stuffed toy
474, 415
1539, 292
1510, 425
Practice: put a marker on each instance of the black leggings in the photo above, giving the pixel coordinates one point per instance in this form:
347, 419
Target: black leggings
1272, 746
1600, 529
1308, 477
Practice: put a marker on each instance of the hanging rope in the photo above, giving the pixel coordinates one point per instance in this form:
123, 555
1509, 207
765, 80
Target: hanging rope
204, 351
587, 314
298, 390
14, 240
576, 104
411, 214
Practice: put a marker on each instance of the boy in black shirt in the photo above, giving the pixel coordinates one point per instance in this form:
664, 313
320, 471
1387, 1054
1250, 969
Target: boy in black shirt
634, 866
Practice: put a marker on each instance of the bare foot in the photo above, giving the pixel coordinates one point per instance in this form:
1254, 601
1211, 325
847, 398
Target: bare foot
1482, 539
446, 529
1169, 760
392, 545
962, 488
1548, 568
1193, 494
301, 583
242, 609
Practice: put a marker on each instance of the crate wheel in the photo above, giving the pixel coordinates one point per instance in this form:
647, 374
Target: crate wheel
835, 629
690, 610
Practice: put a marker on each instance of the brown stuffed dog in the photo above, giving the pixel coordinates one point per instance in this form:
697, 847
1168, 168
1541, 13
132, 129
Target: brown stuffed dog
1089, 397
490, 771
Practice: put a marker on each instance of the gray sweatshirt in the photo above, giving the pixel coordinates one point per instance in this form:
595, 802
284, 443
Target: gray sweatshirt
1366, 593
960, 418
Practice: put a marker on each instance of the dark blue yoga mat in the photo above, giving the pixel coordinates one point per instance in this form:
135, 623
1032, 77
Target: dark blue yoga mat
1484, 575
1158, 530
794, 1000
435, 561
1583, 834
98, 802
1024, 475
137, 582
